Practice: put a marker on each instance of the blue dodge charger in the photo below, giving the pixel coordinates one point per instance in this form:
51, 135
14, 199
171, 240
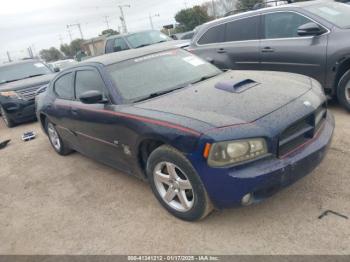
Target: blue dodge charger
203, 138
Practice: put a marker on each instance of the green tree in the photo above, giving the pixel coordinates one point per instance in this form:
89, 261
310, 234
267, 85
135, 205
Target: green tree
109, 32
51, 54
247, 4
189, 18
70, 50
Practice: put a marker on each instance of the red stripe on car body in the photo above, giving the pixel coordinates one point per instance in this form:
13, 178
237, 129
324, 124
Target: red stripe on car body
140, 118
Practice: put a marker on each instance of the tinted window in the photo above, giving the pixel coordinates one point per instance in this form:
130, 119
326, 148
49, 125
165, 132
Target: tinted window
242, 29
109, 46
146, 38
87, 81
64, 88
213, 35
283, 24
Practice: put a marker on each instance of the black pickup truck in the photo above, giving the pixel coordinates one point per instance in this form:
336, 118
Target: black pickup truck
20, 82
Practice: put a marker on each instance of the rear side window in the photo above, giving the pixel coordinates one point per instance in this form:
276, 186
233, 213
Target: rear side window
88, 80
116, 45
215, 34
63, 87
283, 24
242, 29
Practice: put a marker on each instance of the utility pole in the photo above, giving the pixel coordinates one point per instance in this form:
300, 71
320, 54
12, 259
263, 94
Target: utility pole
214, 9
107, 22
79, 27
151, 20
30, 52
69, 33
61, 39
8, 56
122, 17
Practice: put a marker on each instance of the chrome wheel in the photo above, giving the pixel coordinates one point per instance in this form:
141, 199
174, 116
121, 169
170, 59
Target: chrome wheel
4, 116
347, 92
173, 186
53, 136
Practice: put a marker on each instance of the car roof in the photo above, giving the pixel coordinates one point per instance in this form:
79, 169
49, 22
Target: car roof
131, 33
117, 57
25, 61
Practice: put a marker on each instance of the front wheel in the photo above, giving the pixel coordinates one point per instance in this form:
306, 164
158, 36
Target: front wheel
176, 184
55, 140
343, 91
8, 122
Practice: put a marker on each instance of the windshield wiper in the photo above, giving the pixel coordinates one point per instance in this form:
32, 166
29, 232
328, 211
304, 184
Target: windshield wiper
33, 75
204, 78
157, 94
142, 45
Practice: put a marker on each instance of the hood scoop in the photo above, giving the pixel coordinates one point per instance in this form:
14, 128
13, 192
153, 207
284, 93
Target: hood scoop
236, 86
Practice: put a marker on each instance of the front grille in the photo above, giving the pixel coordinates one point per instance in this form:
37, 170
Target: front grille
301, 131
30, 92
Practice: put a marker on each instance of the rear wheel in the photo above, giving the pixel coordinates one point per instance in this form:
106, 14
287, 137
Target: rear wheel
56, 141
8, 122
176, 184
343, 91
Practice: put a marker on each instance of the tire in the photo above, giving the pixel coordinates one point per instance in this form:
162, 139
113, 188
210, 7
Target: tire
187, 197
343, 91
8, 122
56, 141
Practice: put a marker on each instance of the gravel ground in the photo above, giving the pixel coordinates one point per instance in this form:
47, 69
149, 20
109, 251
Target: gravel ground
73, 205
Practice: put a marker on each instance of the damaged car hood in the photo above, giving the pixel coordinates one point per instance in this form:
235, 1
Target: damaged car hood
233, 97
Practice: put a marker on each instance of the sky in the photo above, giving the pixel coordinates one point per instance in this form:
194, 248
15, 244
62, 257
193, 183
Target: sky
41, 23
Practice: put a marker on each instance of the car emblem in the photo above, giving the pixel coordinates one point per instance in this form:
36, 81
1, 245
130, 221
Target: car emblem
307, 103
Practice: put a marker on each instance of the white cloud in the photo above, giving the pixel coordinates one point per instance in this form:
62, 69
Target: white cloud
39, 23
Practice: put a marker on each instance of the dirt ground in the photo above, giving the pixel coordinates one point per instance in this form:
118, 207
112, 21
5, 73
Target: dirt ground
72, 205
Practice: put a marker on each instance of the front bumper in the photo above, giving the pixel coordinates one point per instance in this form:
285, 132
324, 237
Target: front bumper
227, 186
18, 110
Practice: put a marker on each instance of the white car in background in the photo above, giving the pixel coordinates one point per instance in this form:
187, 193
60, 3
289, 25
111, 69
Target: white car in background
61, 64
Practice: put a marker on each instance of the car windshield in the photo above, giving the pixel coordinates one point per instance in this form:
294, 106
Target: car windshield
158, 73
336, 13
10, 73
146, 38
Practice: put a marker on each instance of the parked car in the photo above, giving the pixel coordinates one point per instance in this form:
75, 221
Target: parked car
310, 38
19, 84
124, 42
183, 36
61, 64
201, 137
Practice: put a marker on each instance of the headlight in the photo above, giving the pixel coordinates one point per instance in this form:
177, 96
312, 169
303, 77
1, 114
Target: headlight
233, 152
11, 94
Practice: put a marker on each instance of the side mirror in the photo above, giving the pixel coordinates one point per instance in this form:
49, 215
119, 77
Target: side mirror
92, 97
56, 69
310, 29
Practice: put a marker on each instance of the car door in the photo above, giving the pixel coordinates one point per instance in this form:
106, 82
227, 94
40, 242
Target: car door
282, 49
96, 125
60, 110
233, 44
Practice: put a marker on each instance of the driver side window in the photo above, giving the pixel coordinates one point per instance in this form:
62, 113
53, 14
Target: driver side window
283, 24
88, 80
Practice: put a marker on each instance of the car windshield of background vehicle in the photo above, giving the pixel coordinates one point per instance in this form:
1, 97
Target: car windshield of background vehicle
336, 13
160, 72
146, 38
15, 72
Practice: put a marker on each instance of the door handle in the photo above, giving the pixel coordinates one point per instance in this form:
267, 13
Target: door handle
221, 51
74, 111
267, 49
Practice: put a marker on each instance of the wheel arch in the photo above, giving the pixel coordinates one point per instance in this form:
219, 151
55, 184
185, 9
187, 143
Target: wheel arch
342, 67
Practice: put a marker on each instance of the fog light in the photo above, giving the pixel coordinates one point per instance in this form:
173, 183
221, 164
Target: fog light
247, 199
